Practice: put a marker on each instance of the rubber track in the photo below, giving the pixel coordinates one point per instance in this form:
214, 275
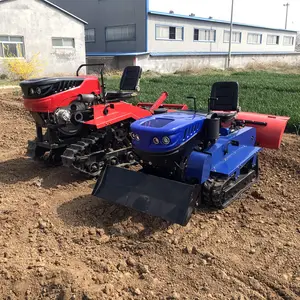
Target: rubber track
214, 188
69, 155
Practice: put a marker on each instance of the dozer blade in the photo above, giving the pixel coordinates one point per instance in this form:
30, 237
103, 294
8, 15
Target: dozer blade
170, 200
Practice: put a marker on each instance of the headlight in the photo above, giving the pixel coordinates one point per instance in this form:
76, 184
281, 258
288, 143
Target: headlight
166, 140
155, 140
135, 136
38, 90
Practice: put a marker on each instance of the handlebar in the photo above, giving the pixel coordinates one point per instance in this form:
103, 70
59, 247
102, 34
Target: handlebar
85, 65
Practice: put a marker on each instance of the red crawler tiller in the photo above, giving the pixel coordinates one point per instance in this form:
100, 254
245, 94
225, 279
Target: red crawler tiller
83, 126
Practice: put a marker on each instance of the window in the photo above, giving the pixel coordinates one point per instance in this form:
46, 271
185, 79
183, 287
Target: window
288, 40
236, 37
90, 35
208, 35
11, 46
164, 32
63, 43
273, 39
254, 38
120, 33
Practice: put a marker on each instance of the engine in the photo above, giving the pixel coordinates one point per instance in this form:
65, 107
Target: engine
81, 125
59, 107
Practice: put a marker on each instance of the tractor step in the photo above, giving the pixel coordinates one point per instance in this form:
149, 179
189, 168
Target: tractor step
83, 144
76, 147
89, 141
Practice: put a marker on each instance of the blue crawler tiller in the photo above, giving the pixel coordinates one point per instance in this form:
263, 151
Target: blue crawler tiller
192, 157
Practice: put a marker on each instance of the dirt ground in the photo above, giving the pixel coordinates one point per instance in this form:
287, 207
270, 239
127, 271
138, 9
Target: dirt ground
58, 242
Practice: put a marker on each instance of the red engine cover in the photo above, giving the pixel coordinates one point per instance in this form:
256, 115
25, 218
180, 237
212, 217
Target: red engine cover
64, 98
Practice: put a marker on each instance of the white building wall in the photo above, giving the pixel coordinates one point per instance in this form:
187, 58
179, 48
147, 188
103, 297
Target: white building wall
38, 22
173, 63
189, 45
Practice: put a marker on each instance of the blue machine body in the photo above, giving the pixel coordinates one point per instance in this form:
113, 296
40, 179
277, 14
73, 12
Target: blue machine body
231, 151
187, 159
178, 126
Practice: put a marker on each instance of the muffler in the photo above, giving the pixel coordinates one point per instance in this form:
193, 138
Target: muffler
159, 197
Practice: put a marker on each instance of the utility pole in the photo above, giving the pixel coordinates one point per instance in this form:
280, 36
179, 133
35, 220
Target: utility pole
230, 35
287, 12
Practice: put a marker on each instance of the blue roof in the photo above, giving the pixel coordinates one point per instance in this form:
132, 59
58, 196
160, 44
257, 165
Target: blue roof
116, 53
190, 53
220, 53
213, 20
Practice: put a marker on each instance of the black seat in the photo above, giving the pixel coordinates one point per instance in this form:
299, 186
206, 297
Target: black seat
224, 99
129, 84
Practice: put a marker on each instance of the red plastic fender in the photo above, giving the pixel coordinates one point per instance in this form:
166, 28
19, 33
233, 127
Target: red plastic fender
269, 135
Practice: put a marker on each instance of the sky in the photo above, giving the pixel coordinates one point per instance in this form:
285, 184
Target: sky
268, 13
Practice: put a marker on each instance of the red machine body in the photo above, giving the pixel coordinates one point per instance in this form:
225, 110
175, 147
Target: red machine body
117, 112
81, 125
66, 92
122, 111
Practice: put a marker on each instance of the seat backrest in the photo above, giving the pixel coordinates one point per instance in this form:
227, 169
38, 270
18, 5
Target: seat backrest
130, 78
224, 96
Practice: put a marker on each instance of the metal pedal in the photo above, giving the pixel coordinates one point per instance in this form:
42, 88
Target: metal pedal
82, 144
89, 141
77, 147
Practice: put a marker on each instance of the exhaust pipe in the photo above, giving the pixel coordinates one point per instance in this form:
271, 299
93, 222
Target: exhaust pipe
78, 117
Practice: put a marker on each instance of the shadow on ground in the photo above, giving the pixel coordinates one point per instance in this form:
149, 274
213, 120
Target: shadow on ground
89, 211
25, 169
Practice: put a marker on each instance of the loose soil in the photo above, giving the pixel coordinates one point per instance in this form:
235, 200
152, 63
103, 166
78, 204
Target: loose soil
59, 242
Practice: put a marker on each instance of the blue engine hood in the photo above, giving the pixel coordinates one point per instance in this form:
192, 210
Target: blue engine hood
178, 126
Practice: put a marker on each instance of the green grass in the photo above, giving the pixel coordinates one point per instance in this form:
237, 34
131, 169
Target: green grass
260, 91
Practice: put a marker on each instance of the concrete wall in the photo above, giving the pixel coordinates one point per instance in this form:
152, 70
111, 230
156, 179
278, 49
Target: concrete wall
171, 64
100, 14
38, 22
297, 48
111, 62
189, 45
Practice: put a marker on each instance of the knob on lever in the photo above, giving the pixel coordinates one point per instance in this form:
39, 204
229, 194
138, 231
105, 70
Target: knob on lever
105, 110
